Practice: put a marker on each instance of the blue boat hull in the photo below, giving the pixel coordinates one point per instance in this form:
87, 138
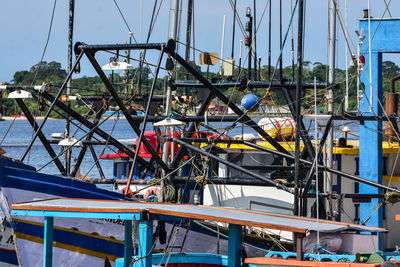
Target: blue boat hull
83, 242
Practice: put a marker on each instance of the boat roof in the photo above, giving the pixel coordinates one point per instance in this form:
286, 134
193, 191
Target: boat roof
352, 149
67, 207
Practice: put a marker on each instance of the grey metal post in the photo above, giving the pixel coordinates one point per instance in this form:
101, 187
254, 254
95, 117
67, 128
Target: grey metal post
67, 156
168, 108
331, 80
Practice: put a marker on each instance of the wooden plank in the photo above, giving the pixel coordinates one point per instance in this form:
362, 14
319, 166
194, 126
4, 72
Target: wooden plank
225, 220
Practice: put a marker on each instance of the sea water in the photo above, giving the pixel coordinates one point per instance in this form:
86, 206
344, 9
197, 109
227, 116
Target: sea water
20, 134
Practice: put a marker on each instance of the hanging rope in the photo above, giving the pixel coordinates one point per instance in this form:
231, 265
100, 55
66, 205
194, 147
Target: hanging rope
47, 42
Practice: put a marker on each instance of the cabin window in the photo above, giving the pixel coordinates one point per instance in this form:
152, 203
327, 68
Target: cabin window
118, 169
128, 167
255, 162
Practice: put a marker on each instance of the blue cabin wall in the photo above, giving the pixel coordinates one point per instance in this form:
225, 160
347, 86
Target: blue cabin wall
385, 35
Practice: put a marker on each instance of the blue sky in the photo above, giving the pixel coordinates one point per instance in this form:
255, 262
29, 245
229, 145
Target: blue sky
25, 24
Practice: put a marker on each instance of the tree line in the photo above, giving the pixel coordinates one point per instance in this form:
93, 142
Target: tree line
140, 80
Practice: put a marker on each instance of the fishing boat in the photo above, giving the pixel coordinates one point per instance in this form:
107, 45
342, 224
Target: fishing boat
276, 179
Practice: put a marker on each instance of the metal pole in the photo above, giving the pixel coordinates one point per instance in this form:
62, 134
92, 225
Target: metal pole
331, 80
255, 40
269, 40
97, 130
146, 115
122, 107
233, 30
297, 178
222, 46
168, 108
244, 117
67, 155
51, 106
96, 161
230, 164
280, 41
188, 32
300, 125
42, 137
250, 46
346, 51
192, 128
322, 167
85, 145
240, 57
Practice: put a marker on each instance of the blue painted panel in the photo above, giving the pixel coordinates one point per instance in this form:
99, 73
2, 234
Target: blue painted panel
195, 258
128, 249
371, 144
8, 256
25, 178
71, 238
70, 214
234, 245
48, 242
145, 243
385, 33
386, 39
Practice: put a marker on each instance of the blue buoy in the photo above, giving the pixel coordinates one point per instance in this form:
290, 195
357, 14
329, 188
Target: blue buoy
250, 102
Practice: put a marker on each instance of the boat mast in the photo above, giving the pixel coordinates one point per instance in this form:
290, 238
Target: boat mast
188, 32
298, 107
168, 108
233, 30
331, 80
67, 155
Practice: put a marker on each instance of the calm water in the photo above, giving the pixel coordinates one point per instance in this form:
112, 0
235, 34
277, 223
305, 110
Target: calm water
20, 134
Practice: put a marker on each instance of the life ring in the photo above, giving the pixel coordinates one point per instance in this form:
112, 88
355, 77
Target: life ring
152, 191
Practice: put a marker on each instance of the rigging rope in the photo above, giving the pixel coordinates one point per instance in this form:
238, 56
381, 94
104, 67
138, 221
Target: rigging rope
47, 42
126, 23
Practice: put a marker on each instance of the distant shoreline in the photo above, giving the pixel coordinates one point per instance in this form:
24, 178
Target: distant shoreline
10, 118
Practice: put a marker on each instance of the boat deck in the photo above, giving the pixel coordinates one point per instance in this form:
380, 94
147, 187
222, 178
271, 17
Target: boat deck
145, 213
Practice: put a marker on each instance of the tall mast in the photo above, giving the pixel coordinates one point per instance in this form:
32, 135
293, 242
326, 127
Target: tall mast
188, 34
269, 40
298, 107
255, 39
280, 42
233, 30
331, 80
188, 31
168, 109
67, 155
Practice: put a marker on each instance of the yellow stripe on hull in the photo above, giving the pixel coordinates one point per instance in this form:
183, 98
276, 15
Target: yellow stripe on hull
68, 247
